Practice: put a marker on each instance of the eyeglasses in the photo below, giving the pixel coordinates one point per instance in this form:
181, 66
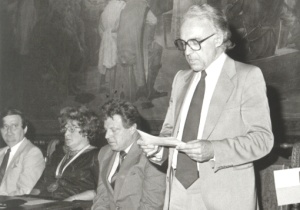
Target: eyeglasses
194, 44
71, 129
12, 127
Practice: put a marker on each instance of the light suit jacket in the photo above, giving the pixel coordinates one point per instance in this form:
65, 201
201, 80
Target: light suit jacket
23, 171
239, 127
139, 185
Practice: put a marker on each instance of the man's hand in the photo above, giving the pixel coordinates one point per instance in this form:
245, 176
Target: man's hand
198, 150
149, 149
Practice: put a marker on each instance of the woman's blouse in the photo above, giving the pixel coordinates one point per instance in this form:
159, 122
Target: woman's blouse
79, 176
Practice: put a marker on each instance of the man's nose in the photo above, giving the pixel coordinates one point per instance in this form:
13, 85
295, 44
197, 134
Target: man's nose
9, 130
188, 50
67, 132
108, 134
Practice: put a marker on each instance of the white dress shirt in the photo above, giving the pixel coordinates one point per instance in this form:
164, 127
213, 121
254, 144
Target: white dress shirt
13, 151
213, 72
116, 163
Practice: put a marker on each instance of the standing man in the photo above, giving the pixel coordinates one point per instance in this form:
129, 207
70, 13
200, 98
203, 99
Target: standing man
220, 110
22, 163
127, 179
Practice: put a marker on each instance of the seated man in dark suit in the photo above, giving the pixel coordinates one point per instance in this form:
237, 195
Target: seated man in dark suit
22, 163
127, 179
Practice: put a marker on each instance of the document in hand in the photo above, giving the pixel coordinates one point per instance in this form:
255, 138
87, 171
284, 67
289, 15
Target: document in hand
287, 185
160, 141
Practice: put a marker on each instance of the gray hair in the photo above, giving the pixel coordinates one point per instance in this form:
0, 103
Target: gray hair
217, 19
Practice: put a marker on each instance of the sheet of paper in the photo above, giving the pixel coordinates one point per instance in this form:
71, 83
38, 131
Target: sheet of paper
37, 202
287, 185
160, 141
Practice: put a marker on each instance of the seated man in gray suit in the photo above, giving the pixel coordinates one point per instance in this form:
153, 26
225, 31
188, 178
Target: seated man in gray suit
22, 163
127, 179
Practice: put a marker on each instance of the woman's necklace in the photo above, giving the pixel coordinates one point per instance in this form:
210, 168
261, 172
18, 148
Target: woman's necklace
59, 171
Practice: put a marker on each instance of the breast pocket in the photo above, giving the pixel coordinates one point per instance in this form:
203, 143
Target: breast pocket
16, 165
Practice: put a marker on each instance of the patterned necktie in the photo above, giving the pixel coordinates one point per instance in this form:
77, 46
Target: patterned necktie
186, 171
114, 177
4, 165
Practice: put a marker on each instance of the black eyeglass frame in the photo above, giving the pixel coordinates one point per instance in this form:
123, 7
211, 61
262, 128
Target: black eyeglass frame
187, 43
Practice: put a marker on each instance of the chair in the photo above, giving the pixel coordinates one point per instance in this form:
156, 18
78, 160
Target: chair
50, 149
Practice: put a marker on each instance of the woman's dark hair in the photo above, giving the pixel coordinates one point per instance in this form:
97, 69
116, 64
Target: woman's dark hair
88, 120
125, 109
9, 111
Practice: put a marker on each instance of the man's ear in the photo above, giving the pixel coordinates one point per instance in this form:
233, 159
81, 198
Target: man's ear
133, 128
219, 39
25, 130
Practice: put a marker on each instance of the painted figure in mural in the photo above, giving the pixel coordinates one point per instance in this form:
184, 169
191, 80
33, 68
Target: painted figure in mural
22, 163
259, 26
291, 24
72, 169
153, 47
108, 56
130, 46
220, 112
139, 54
91, 11
127, 179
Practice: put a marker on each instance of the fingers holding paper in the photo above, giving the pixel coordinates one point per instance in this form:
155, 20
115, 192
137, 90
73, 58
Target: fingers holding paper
148, 149
198, 150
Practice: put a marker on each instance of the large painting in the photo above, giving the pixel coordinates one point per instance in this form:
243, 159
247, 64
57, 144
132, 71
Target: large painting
56, 53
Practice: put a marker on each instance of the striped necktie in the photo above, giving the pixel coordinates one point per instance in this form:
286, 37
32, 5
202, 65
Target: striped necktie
114, 177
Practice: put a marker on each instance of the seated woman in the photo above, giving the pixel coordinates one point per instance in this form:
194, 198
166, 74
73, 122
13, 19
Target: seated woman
72, 170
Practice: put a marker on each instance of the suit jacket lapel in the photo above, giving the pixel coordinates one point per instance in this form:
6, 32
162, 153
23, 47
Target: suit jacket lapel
220, 96
17, 154
183, 88
132, 158
107, 166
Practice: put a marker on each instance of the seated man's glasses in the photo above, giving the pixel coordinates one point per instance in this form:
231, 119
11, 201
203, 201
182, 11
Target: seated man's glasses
194, 44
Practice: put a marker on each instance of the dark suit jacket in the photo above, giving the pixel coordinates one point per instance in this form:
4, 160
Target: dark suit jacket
139, 185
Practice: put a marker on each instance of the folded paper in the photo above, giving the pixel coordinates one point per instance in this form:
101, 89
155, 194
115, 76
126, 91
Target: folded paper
160, 141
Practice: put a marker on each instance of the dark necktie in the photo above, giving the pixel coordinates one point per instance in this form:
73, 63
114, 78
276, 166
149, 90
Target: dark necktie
4, 165
186, 171
114, 177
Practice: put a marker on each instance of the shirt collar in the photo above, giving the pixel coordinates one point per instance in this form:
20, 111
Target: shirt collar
135, 137
128, 148
16, 147
216, 66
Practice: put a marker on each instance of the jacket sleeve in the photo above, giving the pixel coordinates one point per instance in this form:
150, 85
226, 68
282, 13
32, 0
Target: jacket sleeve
101, 200
169, 122
254, 112
154, 185
168, 126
